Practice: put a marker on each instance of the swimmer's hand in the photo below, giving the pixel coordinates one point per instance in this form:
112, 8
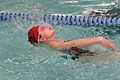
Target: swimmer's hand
110, 45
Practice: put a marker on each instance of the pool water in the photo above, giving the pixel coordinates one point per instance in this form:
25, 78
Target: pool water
19, 60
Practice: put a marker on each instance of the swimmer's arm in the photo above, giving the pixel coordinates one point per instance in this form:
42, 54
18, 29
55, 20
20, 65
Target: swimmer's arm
85, 42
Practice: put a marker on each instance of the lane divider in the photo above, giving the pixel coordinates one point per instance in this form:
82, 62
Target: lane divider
60, 19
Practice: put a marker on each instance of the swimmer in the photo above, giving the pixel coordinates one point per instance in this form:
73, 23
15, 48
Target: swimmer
45, 34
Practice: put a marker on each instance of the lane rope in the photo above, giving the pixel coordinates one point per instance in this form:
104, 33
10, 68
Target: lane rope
61, 19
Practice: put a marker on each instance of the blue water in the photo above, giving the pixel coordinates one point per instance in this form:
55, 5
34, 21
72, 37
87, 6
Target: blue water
19, 60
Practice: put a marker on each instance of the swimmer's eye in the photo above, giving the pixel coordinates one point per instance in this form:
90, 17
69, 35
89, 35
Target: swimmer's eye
42, 28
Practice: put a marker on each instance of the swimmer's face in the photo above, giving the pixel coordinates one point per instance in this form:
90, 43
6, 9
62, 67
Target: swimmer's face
46, 32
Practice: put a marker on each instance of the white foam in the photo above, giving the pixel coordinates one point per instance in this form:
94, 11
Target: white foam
69, 2
107, 4
98, 48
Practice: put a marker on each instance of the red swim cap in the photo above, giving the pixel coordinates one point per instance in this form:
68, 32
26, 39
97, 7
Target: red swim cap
33, 34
